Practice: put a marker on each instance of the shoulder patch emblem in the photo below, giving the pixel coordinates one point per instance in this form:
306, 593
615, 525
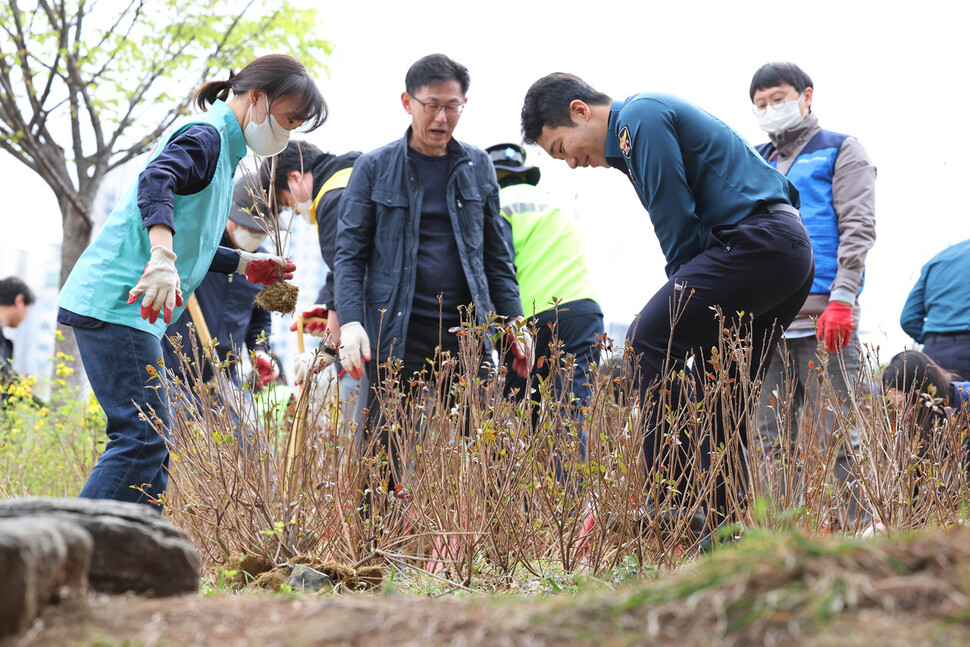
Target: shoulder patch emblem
626, 143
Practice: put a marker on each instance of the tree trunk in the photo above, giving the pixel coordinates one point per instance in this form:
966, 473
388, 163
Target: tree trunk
77, 235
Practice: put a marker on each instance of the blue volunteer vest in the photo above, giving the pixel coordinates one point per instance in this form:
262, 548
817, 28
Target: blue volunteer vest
112, 264
812, 174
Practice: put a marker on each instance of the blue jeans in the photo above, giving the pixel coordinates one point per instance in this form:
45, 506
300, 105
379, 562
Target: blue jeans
115, 359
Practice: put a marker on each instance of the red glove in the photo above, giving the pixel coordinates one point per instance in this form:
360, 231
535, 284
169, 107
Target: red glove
835, 326
314, 321
265, 369
263, 268
523, 349
160, 284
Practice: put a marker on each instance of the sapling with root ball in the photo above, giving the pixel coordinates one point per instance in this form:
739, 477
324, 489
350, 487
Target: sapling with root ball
281, 296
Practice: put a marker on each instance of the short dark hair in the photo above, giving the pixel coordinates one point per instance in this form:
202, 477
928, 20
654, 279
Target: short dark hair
10, 287
297, 156
433, 69
771, 75
547, 103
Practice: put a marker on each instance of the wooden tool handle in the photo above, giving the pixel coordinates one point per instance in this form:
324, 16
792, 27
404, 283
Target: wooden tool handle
199, 320
299, 332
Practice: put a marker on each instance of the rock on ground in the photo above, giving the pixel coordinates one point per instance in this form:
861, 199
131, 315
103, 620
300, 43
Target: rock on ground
135, 549
41, 559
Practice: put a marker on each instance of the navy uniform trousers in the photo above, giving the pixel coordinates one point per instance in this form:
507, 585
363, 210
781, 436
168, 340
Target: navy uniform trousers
762, 267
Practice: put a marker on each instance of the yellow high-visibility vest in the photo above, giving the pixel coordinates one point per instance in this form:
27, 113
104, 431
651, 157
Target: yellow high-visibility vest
338, 180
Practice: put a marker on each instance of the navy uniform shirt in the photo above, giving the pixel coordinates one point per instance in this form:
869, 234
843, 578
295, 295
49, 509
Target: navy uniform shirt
691, 171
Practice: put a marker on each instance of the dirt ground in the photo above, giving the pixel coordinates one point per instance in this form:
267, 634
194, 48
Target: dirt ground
771, 589
266, 621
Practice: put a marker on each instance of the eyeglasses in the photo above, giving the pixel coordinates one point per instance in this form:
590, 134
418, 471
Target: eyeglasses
451, 109
775, 103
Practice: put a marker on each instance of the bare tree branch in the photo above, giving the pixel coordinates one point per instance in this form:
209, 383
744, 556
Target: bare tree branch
131, 24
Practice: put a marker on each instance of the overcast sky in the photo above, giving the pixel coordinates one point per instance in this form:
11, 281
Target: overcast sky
894, 78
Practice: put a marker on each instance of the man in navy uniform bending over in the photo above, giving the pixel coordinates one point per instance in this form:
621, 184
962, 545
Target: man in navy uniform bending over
728, 226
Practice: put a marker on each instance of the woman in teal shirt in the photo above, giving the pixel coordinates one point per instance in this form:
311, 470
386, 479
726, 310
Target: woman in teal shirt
173, 217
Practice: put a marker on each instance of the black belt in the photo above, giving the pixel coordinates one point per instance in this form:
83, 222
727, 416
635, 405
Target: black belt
946, 336
781, 207
777, 209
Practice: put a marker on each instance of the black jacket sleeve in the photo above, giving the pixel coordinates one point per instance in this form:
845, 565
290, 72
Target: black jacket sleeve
327, 211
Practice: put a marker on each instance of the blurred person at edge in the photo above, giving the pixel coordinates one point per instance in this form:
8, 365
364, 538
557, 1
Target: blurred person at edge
173, 217
836, 183
937, 310
419, 236
15, 301
730, 230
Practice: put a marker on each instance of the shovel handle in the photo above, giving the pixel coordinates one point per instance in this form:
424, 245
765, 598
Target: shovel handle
299, 332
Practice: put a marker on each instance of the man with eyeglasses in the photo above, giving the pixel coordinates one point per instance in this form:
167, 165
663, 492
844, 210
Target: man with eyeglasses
419, 236
836, 181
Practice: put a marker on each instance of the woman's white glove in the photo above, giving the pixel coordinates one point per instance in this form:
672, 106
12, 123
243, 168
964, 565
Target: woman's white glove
311, 361
354, 348
160, 284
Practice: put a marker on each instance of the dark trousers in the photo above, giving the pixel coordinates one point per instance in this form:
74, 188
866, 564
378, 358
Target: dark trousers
575, 325
761, 267
426, 339
950, 351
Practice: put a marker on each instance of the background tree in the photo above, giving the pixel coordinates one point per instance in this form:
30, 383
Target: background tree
85, 88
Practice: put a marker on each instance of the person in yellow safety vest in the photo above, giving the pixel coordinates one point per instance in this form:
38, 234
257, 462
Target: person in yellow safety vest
311, 182
554, 282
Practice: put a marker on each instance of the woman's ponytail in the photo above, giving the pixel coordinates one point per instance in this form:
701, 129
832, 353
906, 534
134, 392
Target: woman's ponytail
213, 90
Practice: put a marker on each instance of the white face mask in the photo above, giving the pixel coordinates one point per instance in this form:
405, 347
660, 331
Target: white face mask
268, 138
305, 209
248, 241
776, 119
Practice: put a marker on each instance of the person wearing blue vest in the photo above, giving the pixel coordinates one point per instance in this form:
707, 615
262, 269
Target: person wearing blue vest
173, 217
937, 310
730, 231
836, 182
